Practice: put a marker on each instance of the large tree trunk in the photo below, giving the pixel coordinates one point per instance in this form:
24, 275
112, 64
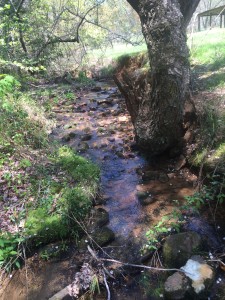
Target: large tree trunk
158, 121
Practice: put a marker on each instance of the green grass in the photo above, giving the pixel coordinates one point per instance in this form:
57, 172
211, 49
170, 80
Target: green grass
208, 48
67, 190
117, 50
53, 185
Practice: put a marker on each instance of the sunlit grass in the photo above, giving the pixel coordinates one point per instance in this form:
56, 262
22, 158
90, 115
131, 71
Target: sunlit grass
207, 47
112, 53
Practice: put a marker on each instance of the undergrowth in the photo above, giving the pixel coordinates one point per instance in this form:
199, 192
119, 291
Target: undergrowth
44, 188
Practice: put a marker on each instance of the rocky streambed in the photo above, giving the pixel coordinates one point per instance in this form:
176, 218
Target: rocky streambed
136, 192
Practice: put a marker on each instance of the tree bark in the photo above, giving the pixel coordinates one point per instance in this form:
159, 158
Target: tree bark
159, 120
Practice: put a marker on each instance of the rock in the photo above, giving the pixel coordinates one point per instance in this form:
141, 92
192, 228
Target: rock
98, 238
96, 89
83, 147
201, 274
155, 175
147, 201
99, 218
86, 137
163, 177
205, 230
144, 198
103, 236
178, 248
69, 136
101, 200
176, 286
111, 139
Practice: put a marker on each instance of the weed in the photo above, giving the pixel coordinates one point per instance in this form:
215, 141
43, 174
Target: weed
10, 251
83, 80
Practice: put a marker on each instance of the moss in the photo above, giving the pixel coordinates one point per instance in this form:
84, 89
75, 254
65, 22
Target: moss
63, 203
45, 227
78, 167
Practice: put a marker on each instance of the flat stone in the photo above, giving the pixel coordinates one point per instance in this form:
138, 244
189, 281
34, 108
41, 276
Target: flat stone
176, 286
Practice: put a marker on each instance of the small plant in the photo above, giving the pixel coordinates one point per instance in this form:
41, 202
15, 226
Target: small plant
155, 234
10, 251
70, 96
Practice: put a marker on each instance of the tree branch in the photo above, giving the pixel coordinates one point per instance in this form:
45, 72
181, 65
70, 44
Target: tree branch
134, 4
187, 8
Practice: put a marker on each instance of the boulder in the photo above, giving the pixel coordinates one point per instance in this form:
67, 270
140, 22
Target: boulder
98, 238
178, 248
176, 286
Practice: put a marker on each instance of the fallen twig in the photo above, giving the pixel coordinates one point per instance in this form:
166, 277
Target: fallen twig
107, 286
141, 266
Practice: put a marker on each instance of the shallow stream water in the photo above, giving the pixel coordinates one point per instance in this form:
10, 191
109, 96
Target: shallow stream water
98, 126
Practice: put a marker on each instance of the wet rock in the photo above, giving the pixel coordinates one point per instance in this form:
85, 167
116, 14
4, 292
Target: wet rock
147, 201
103, 236
155, 175
178, 248
99, 218
86, 137
103, 145
83, 147
98, 238
163, 177
69, 136
96, 89
111, 139
145, 198
176, 286
105, 100
101, 200
120, 154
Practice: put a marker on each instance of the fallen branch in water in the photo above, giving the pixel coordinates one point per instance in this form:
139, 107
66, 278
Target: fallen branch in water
141, 266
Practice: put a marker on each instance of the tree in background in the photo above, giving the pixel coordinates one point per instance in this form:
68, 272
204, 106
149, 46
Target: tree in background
159, 119
39, 32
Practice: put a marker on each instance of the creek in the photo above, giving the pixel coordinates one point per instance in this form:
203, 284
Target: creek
136, 192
